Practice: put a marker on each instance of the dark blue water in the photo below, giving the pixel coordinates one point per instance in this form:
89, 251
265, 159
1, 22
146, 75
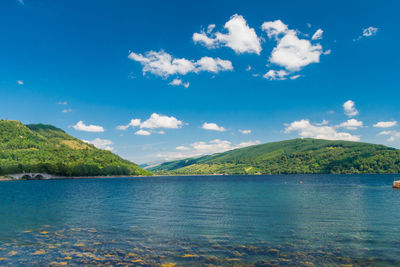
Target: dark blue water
219, 220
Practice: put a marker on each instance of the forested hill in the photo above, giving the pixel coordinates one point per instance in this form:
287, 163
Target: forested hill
47, 149
292, 156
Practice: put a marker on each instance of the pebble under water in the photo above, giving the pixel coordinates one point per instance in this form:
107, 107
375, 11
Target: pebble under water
305, 220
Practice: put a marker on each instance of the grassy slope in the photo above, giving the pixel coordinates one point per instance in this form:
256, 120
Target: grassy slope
293, 156
45, 148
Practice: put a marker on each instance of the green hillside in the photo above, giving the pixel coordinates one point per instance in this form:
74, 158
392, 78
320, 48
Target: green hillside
292, 156
47, 149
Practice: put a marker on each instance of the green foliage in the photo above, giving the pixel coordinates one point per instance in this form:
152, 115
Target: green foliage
47, 149
292, 156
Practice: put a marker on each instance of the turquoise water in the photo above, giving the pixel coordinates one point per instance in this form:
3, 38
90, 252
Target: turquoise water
216, 220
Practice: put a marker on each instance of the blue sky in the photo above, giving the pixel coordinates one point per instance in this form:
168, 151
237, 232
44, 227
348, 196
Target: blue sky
157, 80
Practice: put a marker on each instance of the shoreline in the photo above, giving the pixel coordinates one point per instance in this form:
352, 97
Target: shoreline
5, 178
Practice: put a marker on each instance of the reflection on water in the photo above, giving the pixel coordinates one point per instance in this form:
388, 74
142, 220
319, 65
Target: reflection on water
223, 220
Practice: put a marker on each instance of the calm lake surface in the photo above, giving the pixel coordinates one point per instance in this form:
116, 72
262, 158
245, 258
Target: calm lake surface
216, 220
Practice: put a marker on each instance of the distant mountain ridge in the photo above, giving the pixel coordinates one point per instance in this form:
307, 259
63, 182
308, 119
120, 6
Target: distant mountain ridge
45, 148
292, 156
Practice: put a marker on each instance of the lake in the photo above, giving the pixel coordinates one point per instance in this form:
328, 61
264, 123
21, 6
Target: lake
217, 220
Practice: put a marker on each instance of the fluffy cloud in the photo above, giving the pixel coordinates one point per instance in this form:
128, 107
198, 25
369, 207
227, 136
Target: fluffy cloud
142, 132
317, 35
240, 37
66, 110
155, 121
291, 52
80, 126
161, 121
245, 131
213, 146
308, 130
132, 123
213, 64
393, 135
350, 108
101, 143
276, 75
351, 124
204, 148
370, 31
213, 127
62, 103
385, 124
280, 75
179, 82
163, 64
274, 28
367, 32
20, 82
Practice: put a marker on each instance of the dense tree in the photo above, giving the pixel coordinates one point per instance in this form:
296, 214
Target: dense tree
47, 149
293, 157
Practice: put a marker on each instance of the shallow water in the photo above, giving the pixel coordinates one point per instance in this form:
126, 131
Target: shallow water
215, 220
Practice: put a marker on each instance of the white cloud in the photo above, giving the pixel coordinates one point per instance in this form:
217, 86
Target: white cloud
213, 146
210, 28
370, 31
323, 122
248, 143
101, 143
132, 123
351, 124
367, 32
214, 65
80, 126
327, 52
182, 148
66, 110
350, 108
291, 52
179, 82
142, 132
153, 122
308, 130
213, 127
20, 82
294, 77
317, 35
385, 124
62, 103
161, 121
204, 148
274, 28
245, 131
163, 64
276, 75
240, 37
393, 135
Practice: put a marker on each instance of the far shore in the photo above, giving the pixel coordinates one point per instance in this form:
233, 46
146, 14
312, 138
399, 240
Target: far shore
5, 178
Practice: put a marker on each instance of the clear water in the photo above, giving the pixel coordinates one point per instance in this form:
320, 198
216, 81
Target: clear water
217, 220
